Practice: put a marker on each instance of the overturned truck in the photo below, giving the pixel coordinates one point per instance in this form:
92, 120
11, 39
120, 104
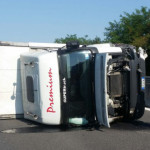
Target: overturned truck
83, 84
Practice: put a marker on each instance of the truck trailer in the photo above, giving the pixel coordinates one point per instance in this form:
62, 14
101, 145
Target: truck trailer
80, 85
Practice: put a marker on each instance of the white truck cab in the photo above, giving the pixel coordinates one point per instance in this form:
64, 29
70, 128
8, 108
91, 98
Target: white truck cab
83, 84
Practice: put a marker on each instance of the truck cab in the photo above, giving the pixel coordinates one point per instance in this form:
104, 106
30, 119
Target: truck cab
83, 84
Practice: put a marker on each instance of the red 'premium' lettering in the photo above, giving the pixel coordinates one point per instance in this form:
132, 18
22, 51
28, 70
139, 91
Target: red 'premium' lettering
50, 109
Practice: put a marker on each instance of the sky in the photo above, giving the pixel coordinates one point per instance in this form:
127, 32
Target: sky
46, 20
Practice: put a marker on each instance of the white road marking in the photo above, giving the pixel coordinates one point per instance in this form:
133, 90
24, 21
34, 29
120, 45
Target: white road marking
9, 131
148, 109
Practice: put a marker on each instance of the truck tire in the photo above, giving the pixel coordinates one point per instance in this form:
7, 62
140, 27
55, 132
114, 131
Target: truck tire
140, 107
138, 112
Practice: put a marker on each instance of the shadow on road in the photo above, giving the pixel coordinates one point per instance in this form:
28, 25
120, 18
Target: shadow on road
131, 126
38, 128
34, 127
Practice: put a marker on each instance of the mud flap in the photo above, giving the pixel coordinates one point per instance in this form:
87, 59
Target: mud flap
101, 89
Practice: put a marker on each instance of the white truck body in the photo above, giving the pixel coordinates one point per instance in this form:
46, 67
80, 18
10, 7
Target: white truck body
48, 76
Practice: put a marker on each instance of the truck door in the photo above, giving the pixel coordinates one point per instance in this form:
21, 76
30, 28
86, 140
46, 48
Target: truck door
101, 88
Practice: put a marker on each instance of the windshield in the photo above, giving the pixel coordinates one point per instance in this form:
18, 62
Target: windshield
76, 84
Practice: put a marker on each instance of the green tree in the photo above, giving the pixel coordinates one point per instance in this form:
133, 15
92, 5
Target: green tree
82, 40
131, 29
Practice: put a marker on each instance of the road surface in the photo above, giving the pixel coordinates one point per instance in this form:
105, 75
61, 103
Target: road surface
26, 135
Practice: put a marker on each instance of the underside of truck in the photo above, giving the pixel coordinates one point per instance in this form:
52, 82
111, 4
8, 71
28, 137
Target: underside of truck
115, 88
124, 84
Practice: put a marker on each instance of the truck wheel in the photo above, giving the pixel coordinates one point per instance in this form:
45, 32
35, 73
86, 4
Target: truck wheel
140, 107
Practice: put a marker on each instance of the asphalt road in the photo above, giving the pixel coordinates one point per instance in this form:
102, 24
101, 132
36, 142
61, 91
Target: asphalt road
26, 135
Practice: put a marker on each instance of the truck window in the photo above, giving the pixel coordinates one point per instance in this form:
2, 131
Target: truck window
30, 89
76, 85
